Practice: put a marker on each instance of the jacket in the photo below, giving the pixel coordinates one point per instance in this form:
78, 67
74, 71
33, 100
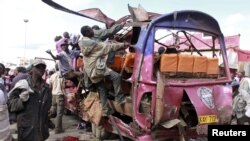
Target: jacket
32, 115
94, 57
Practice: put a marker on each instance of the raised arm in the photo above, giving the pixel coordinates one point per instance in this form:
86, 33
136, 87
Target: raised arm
53, 56
103, 34
107, 47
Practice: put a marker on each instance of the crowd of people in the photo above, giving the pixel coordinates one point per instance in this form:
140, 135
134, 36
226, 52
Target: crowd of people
31, 99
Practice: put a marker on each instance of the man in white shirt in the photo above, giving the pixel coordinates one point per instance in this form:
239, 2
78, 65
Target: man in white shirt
56, 83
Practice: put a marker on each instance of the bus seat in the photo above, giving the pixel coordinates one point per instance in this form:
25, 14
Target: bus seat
200, 66
129, 62
79, 63
212, 67
185, 63
117, 64
168, 63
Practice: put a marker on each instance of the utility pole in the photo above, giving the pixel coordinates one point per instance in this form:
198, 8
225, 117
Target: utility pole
25, 41
25, 37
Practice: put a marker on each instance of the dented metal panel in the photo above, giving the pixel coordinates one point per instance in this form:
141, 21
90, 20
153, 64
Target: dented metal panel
172, 102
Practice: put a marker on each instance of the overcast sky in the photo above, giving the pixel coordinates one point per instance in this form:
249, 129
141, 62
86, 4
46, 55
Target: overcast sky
46, 22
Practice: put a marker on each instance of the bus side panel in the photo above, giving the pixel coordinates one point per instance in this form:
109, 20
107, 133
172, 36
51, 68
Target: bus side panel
223, 102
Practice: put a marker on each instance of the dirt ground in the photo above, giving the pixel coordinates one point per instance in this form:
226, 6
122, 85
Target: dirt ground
70, 123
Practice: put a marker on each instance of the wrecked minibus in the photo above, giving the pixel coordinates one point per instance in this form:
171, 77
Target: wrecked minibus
172, 80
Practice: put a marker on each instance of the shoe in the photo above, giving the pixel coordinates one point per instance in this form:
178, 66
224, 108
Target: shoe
59, 131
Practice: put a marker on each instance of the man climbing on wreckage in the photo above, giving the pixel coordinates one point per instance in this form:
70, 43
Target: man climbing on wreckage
65, 62
94, 57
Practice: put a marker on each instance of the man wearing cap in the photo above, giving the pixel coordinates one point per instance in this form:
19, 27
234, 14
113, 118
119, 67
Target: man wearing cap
65, 58
31, 99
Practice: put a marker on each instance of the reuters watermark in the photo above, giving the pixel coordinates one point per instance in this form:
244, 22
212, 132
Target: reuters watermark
242, 132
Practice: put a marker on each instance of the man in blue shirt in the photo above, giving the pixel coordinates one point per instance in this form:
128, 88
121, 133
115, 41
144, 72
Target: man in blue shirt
65, 65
